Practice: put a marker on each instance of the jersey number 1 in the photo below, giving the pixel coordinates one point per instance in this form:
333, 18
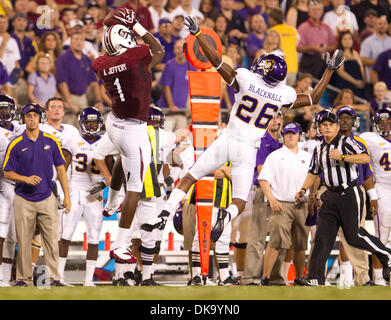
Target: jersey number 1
263, 119
119, 89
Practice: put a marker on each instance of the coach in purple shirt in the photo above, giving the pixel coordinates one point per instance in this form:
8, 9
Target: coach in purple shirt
259, 223
29, 162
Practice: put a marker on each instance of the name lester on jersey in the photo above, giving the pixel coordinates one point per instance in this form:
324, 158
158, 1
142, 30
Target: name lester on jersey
115, 69
264, 94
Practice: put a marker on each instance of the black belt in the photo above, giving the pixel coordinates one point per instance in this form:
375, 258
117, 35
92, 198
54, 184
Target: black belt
342, 188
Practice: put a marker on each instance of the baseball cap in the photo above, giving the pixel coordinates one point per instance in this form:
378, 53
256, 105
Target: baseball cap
93, 4
291, 127
164, 20
346, 109
32, 107
328, 116
75, 22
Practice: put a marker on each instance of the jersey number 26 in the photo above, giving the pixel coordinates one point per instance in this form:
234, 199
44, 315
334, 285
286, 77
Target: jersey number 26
263, 118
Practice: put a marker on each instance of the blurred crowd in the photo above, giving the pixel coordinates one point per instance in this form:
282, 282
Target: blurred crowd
47, 48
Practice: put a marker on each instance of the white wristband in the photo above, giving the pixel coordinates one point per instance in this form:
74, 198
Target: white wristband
141, 31
217, 68
372, 194
309, 97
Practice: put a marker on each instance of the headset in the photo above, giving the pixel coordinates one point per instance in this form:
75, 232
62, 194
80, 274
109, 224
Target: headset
42, 114
301, 134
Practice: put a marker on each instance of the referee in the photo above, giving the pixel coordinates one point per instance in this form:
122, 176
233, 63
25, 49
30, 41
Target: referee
337, 159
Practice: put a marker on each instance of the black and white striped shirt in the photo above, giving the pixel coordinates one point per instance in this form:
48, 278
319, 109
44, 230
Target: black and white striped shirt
336, 173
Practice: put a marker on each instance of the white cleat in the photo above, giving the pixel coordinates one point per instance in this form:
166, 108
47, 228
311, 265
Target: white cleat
108, 211
4, 284
380, 282
89, 284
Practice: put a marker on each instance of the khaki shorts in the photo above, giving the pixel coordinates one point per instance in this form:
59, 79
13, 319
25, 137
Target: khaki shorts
288, 227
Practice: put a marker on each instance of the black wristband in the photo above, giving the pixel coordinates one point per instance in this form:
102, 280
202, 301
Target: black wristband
305, 190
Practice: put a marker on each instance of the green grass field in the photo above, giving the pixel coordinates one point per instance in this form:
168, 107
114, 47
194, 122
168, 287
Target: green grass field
197, 293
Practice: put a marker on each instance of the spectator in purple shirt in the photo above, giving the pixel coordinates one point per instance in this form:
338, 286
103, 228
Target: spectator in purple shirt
4, 79
167, 39
256, 38
74, 75
27, 51
259, 223
175, 89
41, 84
381, 70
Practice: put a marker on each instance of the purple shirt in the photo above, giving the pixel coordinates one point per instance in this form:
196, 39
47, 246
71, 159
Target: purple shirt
43, 89
268, 145
27, 52
78, 74
168, 46
252, 45
27, 158
383, 67
175, 77
4, 78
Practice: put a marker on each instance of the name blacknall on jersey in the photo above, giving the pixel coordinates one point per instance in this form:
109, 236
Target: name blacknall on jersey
115, 69
265, 94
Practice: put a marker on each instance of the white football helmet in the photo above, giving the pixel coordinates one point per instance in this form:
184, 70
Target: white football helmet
117, 39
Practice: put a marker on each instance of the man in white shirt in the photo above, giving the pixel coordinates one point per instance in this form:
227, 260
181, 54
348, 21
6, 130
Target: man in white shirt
341, 18
156, 9
186, 9
9, 50
88, 49
283, 172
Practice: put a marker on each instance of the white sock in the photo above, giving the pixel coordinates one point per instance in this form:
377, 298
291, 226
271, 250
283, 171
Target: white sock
119, 270
234, 270
122, 236
233, 210
284, 270
113, 198
61, 267
196, 271
147, 271
378, 273
129, 267
347, 270
7, 270
90, 269
176, 196
224, 274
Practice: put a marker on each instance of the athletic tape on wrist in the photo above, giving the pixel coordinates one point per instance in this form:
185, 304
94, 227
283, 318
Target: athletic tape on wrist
309, 97
372, 194
217, 68
140, 29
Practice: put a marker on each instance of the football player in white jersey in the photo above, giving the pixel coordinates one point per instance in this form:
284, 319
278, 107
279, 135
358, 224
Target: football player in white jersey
83, 174
379, 145
65, 133
9, 129
260, 94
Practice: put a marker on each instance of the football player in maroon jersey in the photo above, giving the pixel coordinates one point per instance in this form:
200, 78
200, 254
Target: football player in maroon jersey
125, 72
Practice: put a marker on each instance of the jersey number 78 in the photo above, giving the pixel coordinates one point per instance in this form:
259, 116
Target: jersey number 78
263, 118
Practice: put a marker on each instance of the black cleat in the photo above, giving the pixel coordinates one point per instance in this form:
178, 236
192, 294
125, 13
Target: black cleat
20, 283
149, 282
218, 228
137, 276
229, 282
195, 281
299, 282
120, 282
265, 282
156, 223
57, 283
311, 283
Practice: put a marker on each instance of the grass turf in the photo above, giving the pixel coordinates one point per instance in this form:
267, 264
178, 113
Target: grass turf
197, 293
